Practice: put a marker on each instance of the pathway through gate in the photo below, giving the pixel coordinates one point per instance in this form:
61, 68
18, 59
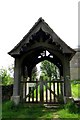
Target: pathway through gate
44, 91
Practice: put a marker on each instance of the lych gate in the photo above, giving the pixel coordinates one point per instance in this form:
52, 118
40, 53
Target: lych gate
32, 50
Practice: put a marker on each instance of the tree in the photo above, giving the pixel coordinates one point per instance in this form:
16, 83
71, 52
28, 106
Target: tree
5, 77
49, 69
34, 73
11, 69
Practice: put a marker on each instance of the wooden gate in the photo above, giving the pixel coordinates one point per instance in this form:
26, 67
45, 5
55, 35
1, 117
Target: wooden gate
43, 91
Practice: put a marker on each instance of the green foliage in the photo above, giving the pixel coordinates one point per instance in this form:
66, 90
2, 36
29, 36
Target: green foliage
49, 69
69, 110
72, 107
38, 111
27, 111
11, 69
44, 77
8, 105
5, 77
75, 86
74, 90
34, 73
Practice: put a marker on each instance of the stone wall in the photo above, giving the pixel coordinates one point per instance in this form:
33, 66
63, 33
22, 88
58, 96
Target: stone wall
7, 92
75, 66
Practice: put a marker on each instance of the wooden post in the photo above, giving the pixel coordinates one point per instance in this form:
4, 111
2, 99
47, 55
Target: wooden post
17, 78
54, 91
62, 86
33, 94
36, 91
41, 91
66, 75
50, 90
46, 92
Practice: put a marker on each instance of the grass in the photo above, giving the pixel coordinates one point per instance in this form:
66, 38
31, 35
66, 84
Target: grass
75, 89
36, 112
69, 110
26, 111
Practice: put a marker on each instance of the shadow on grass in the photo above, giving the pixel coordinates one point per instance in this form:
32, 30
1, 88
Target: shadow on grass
27, 111
38, 112
72, 108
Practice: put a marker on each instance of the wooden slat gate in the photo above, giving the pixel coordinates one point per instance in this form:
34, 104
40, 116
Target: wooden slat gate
44, 91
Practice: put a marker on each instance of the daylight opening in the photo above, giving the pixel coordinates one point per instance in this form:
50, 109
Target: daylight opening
47, 70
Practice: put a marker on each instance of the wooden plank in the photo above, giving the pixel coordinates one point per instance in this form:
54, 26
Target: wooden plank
46, 93
37, 94
25, 91
46, 81
41, 93
47, 84
54, 92
63, 89
31, 91
29, 94
33, 94
21, 92
50, 91
57, 88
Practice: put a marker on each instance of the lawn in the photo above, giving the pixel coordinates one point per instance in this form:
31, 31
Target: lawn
75, 89
36, 112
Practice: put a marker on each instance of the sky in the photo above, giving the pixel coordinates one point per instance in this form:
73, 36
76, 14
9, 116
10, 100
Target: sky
18, 16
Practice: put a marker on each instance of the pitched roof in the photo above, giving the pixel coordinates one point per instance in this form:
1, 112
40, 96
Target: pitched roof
36, 27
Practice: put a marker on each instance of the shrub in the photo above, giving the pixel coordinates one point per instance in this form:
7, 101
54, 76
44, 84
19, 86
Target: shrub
72, 108
5, 77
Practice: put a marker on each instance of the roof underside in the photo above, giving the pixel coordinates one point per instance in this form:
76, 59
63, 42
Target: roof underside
41, 30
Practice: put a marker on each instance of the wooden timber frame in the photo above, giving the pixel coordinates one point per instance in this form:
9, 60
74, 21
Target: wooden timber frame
44, 91
29, 52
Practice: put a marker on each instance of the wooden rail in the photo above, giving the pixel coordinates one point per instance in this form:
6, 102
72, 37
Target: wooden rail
43, 91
